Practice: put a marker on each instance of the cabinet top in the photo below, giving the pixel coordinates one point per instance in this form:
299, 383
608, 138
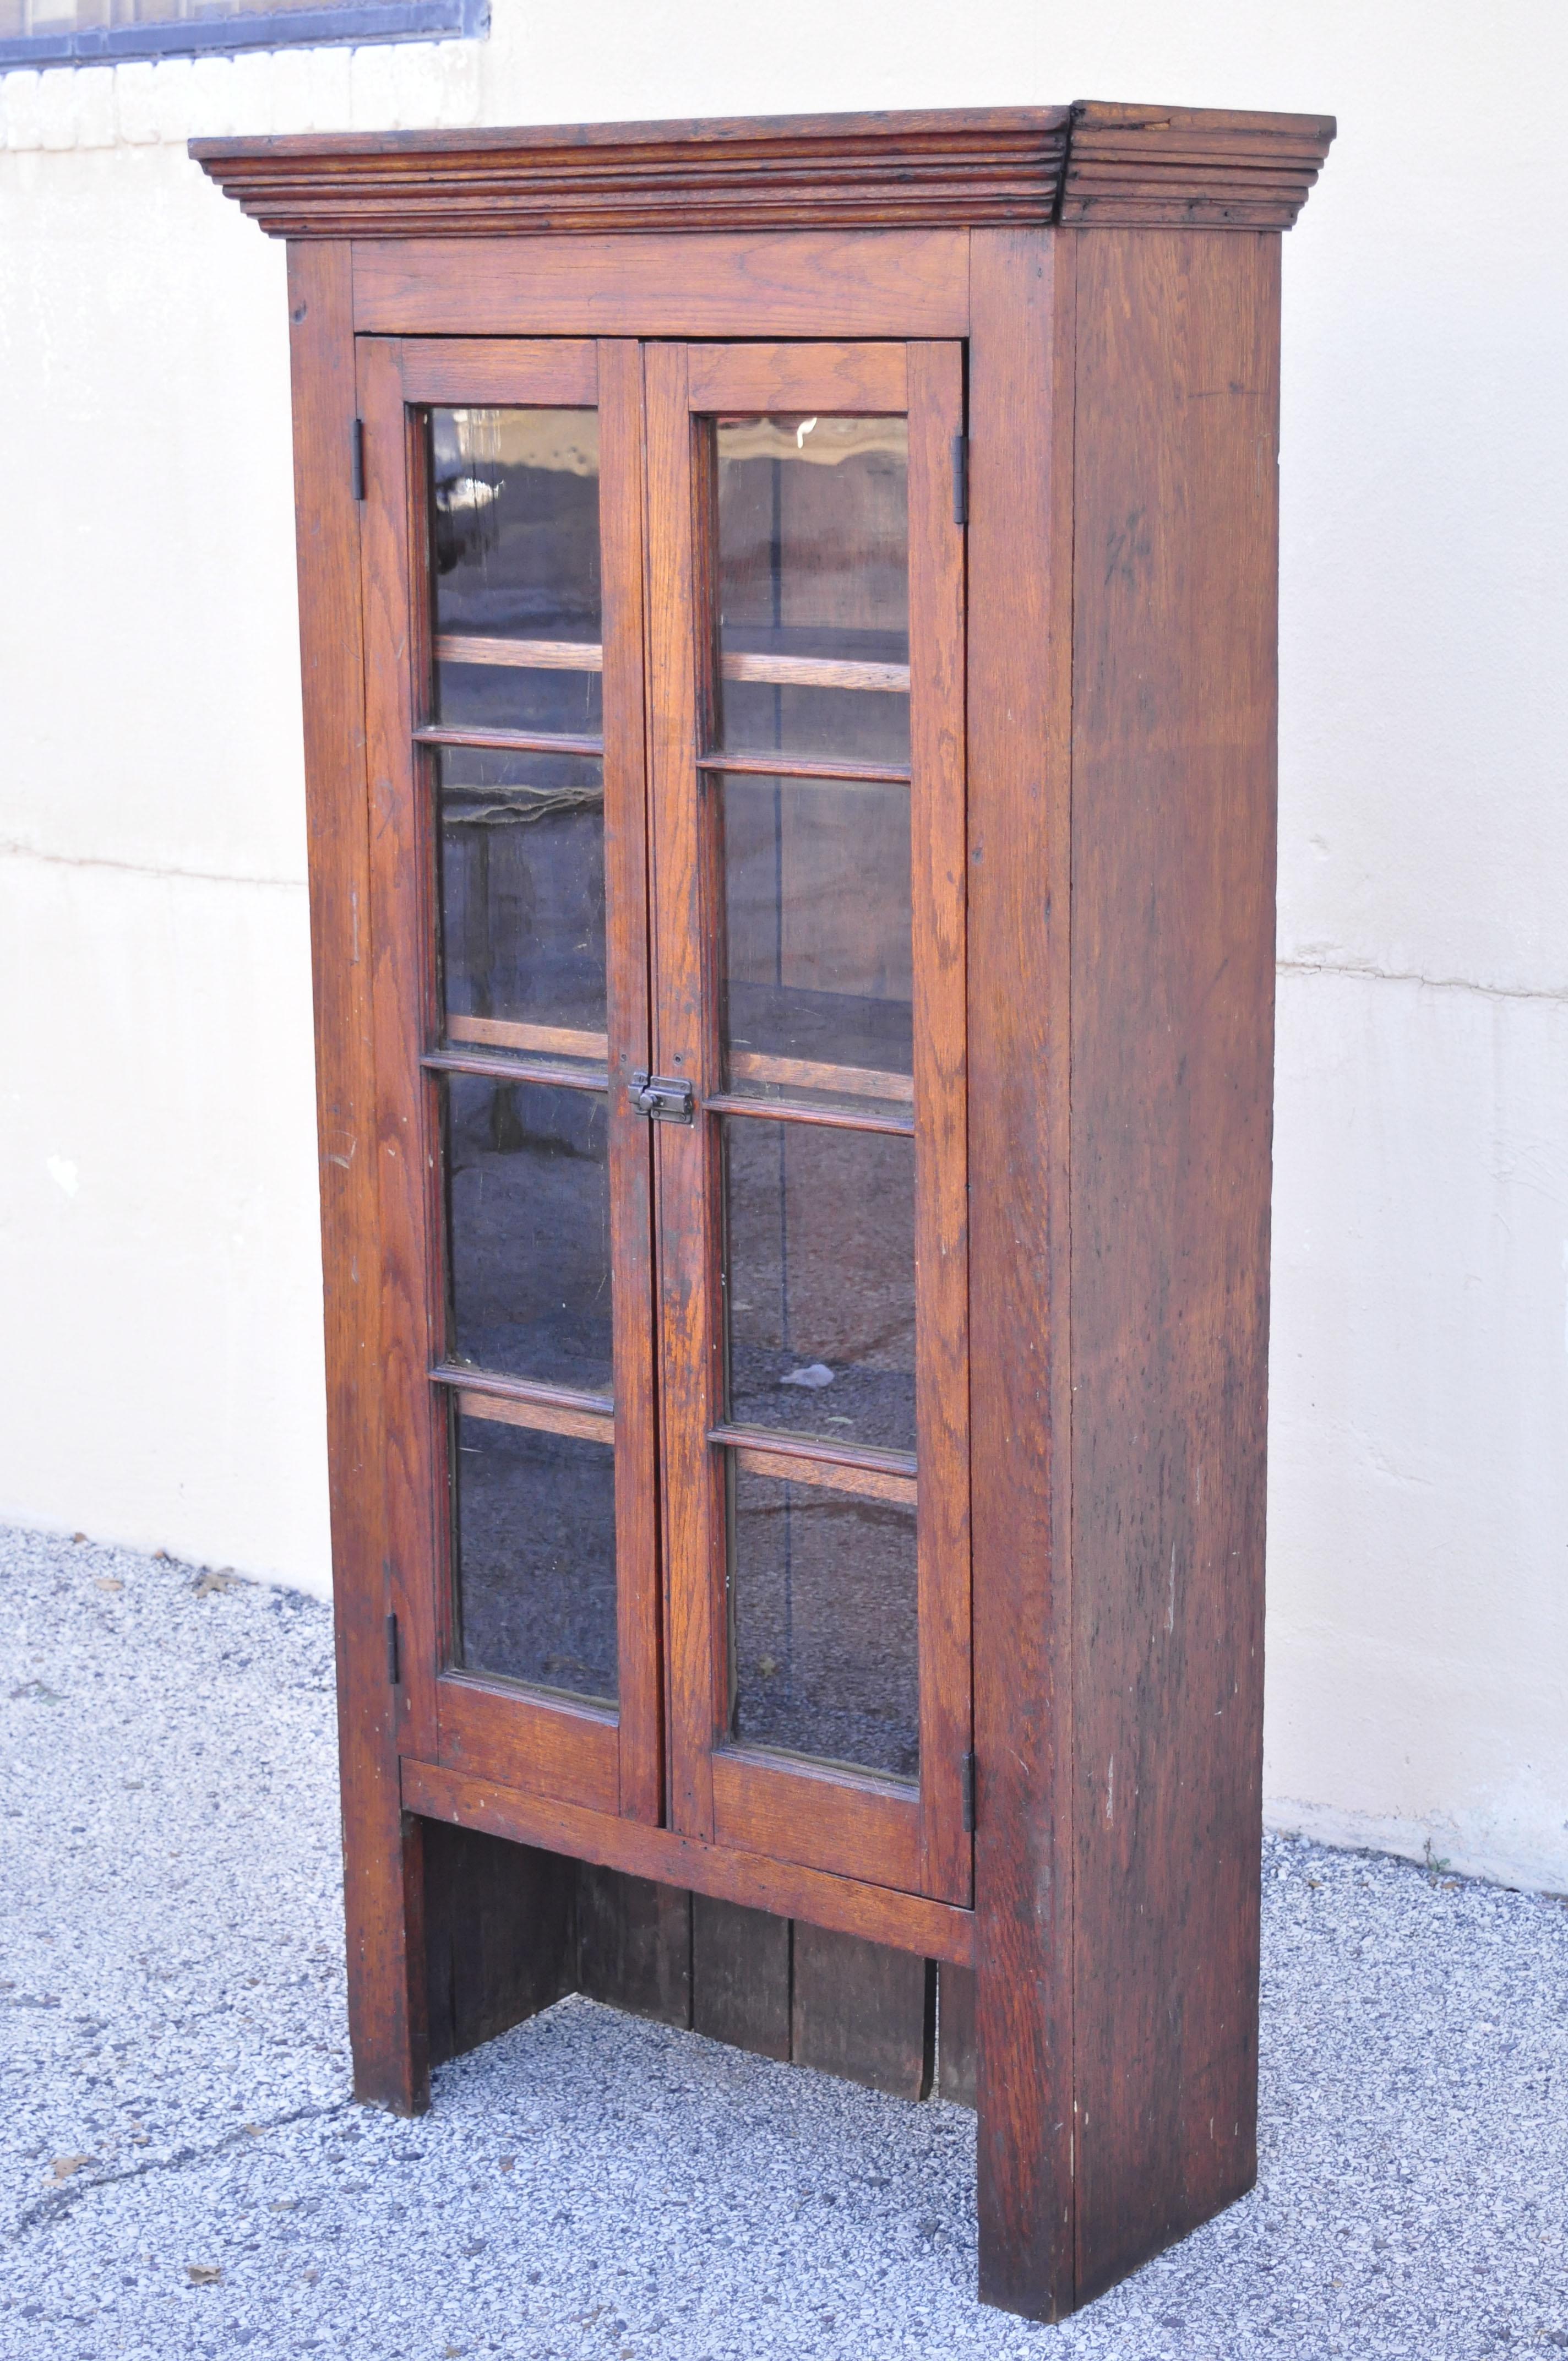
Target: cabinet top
1090, 165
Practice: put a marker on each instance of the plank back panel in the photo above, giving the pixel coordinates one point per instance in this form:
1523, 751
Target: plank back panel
634, 1945
1172, 1064
956, 2055
863, 2012
740, 1976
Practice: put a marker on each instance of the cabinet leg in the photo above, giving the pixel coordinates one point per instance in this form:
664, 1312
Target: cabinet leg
1024, 2156
388, 2007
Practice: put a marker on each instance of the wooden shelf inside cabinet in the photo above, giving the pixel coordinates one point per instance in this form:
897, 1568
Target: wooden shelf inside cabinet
796, 1153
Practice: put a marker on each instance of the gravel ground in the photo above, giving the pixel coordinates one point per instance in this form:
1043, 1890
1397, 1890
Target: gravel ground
184, 2173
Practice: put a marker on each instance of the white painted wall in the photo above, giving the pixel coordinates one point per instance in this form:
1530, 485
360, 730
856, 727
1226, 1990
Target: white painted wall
162, 1380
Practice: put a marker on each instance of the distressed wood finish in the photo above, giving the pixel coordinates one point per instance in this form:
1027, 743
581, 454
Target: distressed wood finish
495, 1731
963, 168
861, 1827
1020, 537
500, 1935
863, 2012
1173, 899
1091, 785
492, 1732
685, 893
1161, 167
845, 379
938, 862
956, 2051
539, 369
412, 1445
383, 1897
817, 283
740, 1976
833, 170
853, 1827
640, 1639
634, 1945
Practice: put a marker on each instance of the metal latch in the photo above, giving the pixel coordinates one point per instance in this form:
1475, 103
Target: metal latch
665, 1097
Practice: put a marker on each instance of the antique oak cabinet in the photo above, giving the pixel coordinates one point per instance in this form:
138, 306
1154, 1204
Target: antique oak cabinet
788, 619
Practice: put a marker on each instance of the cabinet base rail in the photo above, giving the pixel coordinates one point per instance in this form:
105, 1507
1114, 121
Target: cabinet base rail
904, 1922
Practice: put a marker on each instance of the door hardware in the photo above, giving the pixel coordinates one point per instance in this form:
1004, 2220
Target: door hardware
667, 1098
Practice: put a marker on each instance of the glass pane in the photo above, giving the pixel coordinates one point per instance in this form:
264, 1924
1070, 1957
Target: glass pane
825, 1645
816, 964
819, 1260
515, 540
523, 899
535, 1552
814, 587
528, 1230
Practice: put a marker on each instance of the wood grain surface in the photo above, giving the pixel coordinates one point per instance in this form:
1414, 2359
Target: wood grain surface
626, 874
842, 379
817, 283
740, 1976
634, 1945
1019, 681
1173, 859
906, 1921
863, 2012
500, 1932
963, 167
938, 864
383, 1902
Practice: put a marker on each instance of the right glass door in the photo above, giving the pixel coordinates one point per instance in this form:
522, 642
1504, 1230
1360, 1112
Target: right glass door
807, 578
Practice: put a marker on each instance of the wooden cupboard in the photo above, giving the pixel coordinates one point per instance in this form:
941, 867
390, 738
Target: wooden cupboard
788, 627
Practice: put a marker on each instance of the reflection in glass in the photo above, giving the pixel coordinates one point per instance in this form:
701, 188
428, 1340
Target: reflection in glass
823, 1638
819, 1280
522, 895
514, 532
535, 1557
528, 1230
817, 966
814, 586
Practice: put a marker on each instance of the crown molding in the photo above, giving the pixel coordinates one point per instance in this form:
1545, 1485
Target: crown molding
1082, 166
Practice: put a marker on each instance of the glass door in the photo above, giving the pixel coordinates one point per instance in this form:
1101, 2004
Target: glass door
503, 539
806, 621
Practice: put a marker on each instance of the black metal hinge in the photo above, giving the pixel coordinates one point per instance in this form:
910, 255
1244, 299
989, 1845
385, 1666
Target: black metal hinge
357, 449
394, 1669
967, 1776
960, 479
665, 1097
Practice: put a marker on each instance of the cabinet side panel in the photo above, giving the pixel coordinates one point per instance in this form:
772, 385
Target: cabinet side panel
1019, 681
1173, 851
381, 1864
500, 1922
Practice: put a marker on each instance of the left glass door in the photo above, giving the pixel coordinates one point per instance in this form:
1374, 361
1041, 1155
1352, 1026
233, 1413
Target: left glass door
505, 701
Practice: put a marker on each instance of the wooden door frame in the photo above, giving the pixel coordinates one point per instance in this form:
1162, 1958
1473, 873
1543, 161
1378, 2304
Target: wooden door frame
762, 1801
605, 1760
